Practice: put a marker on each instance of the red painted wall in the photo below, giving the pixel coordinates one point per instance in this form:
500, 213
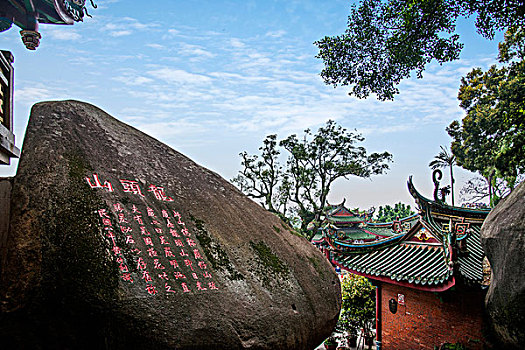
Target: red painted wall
430, 319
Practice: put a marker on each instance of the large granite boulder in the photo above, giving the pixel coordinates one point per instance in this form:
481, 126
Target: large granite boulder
503, 238
117, 241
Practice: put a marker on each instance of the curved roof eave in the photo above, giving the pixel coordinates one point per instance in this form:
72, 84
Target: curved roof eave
424, 203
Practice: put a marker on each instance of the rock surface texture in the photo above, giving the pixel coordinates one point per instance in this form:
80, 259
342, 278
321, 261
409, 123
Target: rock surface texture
116, 241
503, 238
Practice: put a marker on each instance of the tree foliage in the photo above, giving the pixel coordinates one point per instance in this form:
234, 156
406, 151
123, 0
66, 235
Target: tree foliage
491, 137
358, 307
388, 213
315, 161
386, 40
261, 175
476, 190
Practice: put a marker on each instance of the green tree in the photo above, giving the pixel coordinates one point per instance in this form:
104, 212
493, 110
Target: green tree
317, 160
387, 213
491, 137
476, 190
358, 308
444, 159
261, 176
386, 40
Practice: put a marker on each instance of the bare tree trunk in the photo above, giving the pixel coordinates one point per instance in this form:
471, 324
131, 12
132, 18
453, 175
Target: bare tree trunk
452, 184
489, 181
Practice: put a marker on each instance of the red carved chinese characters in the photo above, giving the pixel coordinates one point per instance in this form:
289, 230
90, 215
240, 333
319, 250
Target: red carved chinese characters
110, 235
154, 241
151, 289
131, 187
97, 184
159, 193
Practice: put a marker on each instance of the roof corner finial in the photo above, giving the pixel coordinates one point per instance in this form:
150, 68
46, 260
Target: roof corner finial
436, 177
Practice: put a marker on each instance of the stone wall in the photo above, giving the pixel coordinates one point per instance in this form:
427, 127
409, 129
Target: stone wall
430, 319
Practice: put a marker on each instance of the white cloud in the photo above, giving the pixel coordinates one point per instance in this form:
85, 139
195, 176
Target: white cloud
32, 94
156, 46
170, 129
235, 78
212, 33
195, 51
130, 79
178, 76
386, 129
63, 33
276, 34
126, 26
118, 33
237, 43
111, 26
135, 24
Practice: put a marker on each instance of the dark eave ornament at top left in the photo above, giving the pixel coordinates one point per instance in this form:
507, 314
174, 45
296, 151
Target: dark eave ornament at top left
27, 14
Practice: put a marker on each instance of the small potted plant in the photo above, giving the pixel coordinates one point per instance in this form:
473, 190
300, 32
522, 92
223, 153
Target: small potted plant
351, 337
330, 343
348, 325
369, 338
358, 308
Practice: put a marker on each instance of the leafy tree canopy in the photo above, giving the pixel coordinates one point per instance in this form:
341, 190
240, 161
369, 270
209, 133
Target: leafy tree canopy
386, 40
476, 190
261, 174
315, 161
388, 213
491, 137
358, 307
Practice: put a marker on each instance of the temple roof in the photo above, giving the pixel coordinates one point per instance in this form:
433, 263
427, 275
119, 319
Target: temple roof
380, 231
340, 214
471, 264
413, 263
344, 219
428, 250
355, 233
392, 227
437, 207
318, 238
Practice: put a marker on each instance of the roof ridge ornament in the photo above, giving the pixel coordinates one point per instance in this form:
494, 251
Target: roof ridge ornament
437, 175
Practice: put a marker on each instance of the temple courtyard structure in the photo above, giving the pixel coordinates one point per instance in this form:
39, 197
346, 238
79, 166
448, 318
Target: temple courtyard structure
429, 270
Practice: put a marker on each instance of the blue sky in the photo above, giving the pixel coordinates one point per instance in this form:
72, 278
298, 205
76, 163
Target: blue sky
213, 78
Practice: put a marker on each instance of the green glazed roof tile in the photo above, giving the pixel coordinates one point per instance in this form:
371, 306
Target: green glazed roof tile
471, 264
403, 262
344, 219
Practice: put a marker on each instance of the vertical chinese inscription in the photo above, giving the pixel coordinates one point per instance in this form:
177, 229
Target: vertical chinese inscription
164, 253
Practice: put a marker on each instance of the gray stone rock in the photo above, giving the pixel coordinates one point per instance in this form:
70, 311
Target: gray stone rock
503, 238
117, 241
